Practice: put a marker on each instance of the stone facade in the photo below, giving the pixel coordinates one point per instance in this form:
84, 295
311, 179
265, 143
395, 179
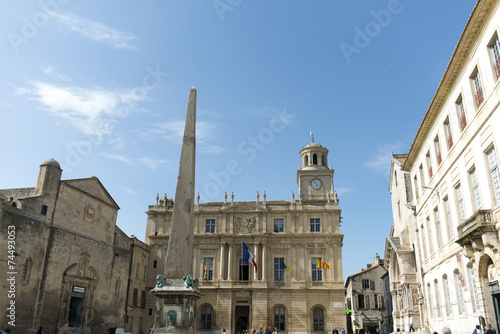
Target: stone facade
443, 252
365, 298
69, 262
297, 232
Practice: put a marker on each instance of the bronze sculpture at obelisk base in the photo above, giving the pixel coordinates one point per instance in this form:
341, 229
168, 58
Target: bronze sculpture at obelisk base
176, 291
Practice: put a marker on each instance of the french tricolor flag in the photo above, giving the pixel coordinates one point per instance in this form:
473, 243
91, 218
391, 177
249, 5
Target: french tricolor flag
248, 256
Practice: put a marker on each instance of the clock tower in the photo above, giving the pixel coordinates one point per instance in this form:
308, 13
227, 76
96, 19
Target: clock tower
314, 177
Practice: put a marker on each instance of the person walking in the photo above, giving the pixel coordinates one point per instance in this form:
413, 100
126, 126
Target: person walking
335, 331
411, 324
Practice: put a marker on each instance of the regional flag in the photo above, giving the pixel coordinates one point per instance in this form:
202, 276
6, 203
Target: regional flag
322, 264
248, 256
283, 265
205, 276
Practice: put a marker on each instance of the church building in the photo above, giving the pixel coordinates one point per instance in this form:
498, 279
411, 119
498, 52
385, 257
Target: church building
263, 263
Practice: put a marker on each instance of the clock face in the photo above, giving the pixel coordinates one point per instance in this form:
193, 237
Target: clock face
316, 184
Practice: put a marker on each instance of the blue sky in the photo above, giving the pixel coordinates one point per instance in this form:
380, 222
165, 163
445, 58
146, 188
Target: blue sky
102, 87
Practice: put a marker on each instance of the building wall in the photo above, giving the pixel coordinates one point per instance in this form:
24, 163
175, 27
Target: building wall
57, 264
250, 301
456, 237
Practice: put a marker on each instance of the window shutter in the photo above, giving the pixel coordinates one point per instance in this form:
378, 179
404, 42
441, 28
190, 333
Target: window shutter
367, 302
372, 285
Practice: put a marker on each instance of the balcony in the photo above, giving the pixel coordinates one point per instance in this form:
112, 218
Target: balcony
477, 232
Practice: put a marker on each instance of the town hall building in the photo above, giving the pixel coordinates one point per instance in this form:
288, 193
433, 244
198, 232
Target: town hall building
296, 284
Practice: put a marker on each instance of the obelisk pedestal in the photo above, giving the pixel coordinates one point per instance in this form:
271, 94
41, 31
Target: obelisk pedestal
176, 291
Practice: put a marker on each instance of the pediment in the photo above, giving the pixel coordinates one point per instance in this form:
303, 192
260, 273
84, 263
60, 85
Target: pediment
243, 207
93, 187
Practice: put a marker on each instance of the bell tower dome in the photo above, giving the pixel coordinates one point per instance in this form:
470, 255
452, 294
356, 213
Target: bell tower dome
314, 177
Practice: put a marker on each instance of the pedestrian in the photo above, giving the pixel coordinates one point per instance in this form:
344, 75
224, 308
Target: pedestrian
411, 323
489, 330
477, 330
446, 330
152, 329
260, 331
343, 330
335, 331
40, 330
223, 331
398, 331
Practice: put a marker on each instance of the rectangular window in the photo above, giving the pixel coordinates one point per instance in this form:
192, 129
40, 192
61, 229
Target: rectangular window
462, 120
210, 226
366, 284
315, 225
150, 312
429, 164
460, 201
317, 273
494, 48
145, 272
279, 274
143, 299
244, 273
375, 300
494, 173
437, 148
137, 270
134, 297
429, 230
422, 178
154, 263
477, 89
208, 269
278, 225
44, 210
448, 217
415, 182
475, 189
438, 227
447, 133
361, 301
424, 242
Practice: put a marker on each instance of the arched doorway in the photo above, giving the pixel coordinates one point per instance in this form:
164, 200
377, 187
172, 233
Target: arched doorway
491, 291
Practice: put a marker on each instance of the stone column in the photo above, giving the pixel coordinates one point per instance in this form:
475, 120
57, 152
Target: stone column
255, 274
221, 262
264, 261
230, 260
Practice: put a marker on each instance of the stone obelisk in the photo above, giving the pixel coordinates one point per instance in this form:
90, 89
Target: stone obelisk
176, 291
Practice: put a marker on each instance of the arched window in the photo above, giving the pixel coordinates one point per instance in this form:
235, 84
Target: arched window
447, 300
28, 264
206, 317
473, 289
460, 292
438, 300
318, 319
279, 318
315, 159
306, 161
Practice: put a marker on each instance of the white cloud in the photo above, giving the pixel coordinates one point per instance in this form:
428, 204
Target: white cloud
381, 163
174, 131
128, 190
94, 111
95, 31
210, 149
342, 190
145, 161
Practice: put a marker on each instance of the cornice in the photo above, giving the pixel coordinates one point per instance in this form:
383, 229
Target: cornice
455, 66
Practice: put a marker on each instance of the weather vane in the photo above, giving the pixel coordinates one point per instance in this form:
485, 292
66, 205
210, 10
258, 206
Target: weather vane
312, 136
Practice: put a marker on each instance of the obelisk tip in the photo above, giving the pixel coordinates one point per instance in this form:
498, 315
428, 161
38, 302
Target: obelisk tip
193, 88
